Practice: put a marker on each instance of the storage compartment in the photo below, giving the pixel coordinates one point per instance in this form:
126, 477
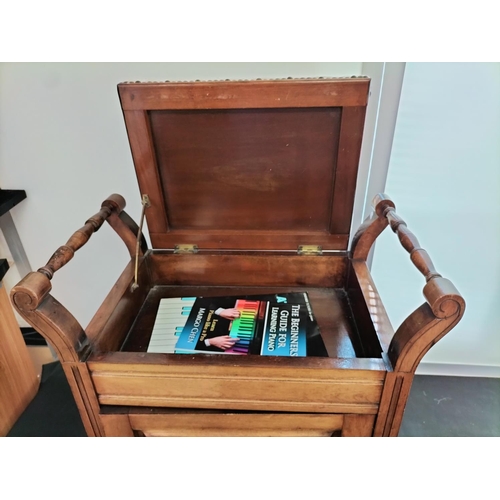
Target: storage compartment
330, 305
331, 302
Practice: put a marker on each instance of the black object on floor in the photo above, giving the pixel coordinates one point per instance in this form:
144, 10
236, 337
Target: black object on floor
53, 411
437, 406
32, 337
4, 267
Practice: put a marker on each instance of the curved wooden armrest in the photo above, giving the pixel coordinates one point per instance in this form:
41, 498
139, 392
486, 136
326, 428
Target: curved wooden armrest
371, 228
445, 306
426, 325
408, 240
32, 300
385, 214
113, 204
31, 296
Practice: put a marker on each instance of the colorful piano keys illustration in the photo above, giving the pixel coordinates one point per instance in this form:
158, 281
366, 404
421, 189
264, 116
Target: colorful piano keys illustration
170, 320
244, 327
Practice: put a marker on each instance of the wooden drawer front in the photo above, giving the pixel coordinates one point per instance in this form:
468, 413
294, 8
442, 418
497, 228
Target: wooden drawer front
329, 391
236, 424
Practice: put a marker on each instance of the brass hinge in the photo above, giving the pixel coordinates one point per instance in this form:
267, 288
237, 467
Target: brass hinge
310, 250
186, 249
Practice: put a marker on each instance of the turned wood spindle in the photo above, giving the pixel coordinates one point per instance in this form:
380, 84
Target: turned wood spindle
66, 252
410, 243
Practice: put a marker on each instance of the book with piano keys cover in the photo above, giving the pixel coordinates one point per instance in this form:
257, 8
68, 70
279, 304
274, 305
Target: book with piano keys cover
267, 325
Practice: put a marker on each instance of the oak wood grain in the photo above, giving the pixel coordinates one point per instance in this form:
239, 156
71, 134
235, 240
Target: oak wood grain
108, 328
85, 396
116, 425
356, 425
265, 170
142, 148
274, 167
350, 138
243, 269
236, 424
245, 393
245, 94
357, 368
245, 384
249, 240
373, 303
417, 334
392, 404
18, 379
128, 230
49, 317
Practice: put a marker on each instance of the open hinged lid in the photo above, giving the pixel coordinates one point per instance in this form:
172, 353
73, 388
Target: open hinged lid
254, 165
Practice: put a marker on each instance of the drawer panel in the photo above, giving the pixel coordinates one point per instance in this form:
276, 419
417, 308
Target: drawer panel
275, 390
199, 424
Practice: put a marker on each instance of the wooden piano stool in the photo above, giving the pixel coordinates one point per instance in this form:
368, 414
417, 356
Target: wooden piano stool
248, 188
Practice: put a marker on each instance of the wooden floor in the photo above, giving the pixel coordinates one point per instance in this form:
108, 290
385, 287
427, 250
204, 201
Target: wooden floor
330, 307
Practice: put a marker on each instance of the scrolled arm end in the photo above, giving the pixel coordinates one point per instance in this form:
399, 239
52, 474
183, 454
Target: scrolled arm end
30, 291
115, 202
426, 325
443, 298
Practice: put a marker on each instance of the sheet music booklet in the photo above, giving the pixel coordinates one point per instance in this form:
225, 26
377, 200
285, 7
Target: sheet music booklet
268, 325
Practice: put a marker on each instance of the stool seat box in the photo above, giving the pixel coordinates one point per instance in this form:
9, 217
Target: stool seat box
247, 188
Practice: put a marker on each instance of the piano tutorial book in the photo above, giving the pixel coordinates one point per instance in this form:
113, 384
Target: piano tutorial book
268, 325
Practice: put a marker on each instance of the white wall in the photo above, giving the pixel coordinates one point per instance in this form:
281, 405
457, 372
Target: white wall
63, 140
380, 122
444, 177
